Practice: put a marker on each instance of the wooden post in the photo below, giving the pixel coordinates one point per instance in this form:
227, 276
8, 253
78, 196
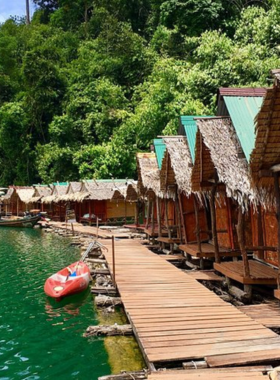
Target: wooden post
137, 214
166, 217
240, 229
158, 216
72, 228
152, 217
125, 211
178, 218
17, 206
277, 196
148, 213
213, 223
113, 261
260, 253
182, 217
197, 224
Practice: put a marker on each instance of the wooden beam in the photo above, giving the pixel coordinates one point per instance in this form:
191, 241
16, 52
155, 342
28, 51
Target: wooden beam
277, 196
240, 229
213, 222
260, 253
182, 216
158, 216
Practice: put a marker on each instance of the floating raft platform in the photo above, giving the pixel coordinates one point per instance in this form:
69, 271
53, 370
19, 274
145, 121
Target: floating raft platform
176, 319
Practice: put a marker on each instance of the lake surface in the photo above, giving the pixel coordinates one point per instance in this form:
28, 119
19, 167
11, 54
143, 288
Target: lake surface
39, 337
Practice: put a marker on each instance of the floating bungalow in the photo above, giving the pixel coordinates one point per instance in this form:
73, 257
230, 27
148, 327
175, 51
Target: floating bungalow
16, 200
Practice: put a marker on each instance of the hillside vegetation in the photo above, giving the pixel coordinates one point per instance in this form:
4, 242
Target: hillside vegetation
89, 83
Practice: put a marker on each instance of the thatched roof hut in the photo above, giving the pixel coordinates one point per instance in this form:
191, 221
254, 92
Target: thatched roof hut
25, 193
266, 153
127, 192
99, 190
148, 175
72, 192
7, 197
176, 166
57, 191
39, 193
223, 153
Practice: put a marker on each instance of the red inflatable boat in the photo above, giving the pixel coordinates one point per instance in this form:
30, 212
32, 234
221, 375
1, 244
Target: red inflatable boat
72, 279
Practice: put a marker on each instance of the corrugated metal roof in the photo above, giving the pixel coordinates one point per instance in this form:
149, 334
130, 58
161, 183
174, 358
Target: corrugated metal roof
245, 91
190, 129
242, 111
160, 149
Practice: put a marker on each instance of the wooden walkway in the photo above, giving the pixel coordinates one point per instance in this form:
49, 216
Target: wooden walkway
260, 273
175, 318
268, 314
91, 230
210, 374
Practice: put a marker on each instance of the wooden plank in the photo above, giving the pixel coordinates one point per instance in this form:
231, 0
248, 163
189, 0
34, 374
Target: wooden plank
204, 275
262, 356
175, 317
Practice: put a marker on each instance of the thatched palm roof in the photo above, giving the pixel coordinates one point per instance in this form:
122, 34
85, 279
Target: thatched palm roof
57, 192
72, 191
176, 165
127, 192
8, 195
25, 193
266, 153
39, 193
148, 175
226, 154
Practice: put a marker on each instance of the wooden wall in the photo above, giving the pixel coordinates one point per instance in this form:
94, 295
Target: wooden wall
268, 232
189, 219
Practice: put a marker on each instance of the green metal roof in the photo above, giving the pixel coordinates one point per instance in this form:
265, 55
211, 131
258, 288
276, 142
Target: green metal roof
242, 111
160, 149
190, 128
60, 183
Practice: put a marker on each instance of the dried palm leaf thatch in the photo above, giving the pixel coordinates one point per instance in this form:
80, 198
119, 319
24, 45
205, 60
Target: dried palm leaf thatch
72, 189
25, 194
266, 152
149, 176
7, 197
40, 192
177, 165
228, 158
57, 192
203, 171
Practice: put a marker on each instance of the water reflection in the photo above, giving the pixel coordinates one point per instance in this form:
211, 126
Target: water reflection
67, 306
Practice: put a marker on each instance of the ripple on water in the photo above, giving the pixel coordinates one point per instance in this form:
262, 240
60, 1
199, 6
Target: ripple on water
42, 338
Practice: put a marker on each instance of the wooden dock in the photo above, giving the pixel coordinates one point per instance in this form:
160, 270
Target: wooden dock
268, 314
260, 274
175, 318
207, 251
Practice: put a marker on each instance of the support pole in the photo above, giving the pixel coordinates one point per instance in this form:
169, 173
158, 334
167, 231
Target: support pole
197, 231
158, 216
213, 223
277, 196
113, 261
241, 241
152, 217
148, 213
260, 233
166, 217
182, 217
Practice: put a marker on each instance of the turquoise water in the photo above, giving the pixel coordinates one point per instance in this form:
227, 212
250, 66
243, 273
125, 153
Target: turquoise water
39, 337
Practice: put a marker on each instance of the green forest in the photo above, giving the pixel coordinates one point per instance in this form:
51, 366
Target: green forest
88, 83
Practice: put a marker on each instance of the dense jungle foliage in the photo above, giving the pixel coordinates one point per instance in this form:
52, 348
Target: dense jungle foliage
90, 82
